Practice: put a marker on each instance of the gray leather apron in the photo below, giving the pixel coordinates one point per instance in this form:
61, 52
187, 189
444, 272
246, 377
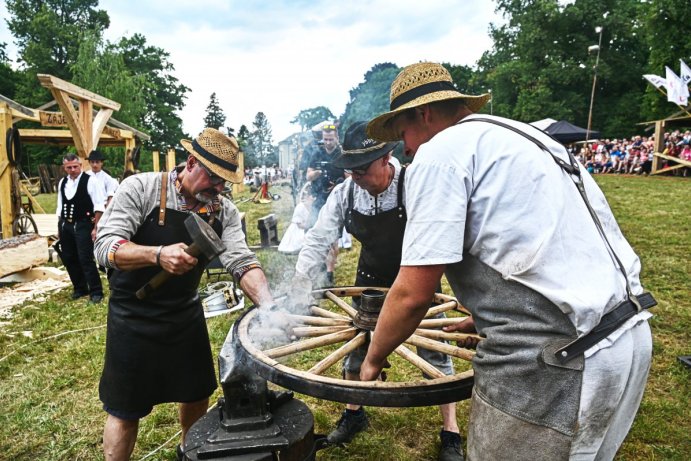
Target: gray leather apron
157, 349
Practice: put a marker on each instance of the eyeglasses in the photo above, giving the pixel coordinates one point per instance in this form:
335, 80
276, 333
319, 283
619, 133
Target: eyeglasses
213, 178
362, 171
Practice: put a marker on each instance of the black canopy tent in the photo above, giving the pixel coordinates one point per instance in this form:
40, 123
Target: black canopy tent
566, 132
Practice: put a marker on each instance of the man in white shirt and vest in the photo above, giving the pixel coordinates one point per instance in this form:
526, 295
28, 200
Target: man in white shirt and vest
110, 184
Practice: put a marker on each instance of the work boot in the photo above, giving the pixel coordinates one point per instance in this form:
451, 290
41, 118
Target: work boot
450, 449
348, 426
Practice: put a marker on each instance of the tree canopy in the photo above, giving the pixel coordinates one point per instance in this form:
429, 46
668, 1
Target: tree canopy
308, 118
215, 118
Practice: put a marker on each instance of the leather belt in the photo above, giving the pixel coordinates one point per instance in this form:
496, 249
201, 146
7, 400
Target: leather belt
608, 323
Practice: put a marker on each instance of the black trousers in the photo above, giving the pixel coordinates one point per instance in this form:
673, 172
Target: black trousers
78, 257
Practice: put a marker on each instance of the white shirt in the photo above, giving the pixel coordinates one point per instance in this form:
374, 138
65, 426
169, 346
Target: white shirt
333, 215
109, 183
483, 189
94, 189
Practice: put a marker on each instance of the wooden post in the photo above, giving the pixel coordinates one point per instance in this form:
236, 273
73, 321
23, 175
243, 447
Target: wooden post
659, 144
129, 148
6, 208
156, 159
239, 187
170, 160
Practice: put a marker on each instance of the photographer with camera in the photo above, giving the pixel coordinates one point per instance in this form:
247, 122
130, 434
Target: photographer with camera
324, 176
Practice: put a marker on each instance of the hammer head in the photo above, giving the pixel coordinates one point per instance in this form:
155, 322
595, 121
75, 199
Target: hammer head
204, 236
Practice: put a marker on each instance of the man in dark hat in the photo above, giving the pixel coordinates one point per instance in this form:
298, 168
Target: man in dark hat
110, 185
529, 245
371, 206
79, 208
157, 349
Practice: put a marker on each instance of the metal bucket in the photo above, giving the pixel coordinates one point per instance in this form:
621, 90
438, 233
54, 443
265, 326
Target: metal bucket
215, 302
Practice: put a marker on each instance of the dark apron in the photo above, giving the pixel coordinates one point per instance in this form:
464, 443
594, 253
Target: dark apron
157, 350
381, 236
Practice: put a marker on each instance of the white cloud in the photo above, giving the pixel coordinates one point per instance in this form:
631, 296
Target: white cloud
284, 56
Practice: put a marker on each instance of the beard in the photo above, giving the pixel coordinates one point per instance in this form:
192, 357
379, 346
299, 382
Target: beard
206, 197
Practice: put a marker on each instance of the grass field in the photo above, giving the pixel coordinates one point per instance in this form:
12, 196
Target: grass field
51, 353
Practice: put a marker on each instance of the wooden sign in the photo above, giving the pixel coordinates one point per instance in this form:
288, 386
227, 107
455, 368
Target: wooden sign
52, 118
114, 132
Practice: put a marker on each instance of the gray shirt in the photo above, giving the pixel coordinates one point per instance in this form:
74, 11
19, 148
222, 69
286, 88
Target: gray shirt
134, 200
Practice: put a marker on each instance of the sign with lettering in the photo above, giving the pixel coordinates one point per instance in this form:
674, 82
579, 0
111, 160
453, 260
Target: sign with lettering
114, 132
52, 118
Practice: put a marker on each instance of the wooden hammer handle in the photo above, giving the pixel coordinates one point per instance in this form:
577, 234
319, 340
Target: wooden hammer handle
160, 278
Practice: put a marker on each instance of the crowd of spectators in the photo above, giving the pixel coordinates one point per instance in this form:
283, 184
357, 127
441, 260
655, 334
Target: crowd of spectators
635, 155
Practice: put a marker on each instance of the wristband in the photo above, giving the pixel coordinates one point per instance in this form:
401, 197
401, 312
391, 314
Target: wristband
158, 256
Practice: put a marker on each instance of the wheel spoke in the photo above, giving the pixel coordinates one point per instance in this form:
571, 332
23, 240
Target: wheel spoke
304, 332
438, 323
338, 354
419, 362
352, 313
444, 336
438, 346
447, 306
311, 343
318, 321
316, 310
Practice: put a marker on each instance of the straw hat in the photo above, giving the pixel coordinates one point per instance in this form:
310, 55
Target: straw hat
359, 149
218, 152
416, 85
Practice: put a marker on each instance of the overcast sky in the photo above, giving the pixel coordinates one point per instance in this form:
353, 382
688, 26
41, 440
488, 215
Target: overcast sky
280, 57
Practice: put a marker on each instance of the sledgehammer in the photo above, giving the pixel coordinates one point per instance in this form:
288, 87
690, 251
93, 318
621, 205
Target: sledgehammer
205, 242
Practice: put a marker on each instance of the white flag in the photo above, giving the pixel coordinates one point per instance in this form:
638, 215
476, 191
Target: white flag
677, 91
656, 80
685, 73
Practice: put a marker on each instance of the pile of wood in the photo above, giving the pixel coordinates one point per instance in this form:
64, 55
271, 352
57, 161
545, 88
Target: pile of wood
22, 252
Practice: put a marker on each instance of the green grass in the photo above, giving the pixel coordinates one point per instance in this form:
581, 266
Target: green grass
49, 385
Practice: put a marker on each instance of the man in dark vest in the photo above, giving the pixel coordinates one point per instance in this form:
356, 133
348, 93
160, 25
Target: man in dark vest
79, 208
157, 349
371, 206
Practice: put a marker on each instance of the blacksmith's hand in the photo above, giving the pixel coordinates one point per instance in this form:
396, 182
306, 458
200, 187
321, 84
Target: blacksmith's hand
173, 259
370, 371
467, 325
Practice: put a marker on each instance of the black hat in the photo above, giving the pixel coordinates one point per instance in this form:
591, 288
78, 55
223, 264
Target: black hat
359, 149
96, 155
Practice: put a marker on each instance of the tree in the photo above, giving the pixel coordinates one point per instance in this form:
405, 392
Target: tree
48, 34
308, 118
214, 114
371, 97
261, 140
7, 74
164, 96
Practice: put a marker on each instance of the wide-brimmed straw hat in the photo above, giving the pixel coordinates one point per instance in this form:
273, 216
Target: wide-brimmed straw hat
415, 85
218, 152
359, 149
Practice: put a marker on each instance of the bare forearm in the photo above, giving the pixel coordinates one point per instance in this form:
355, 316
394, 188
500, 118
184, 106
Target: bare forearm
131, 256
255, 285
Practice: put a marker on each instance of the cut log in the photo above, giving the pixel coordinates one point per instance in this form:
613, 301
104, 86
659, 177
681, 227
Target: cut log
22, 252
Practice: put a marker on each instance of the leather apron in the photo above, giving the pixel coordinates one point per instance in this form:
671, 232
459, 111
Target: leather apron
157, 349
381, 236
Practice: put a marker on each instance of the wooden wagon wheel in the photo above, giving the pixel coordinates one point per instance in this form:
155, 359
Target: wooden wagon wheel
327, 326
24, 224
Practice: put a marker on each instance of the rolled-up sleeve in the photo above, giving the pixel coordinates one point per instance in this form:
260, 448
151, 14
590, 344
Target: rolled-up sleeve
126, 213
326, 231
237, 254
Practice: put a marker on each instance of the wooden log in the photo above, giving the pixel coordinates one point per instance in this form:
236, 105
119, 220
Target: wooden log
307, 332
342, 304
22, 252
419, 362
338, 354
316, 310
318, 321
311, 343
444, 336
447, 306
438, 323
444, 348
